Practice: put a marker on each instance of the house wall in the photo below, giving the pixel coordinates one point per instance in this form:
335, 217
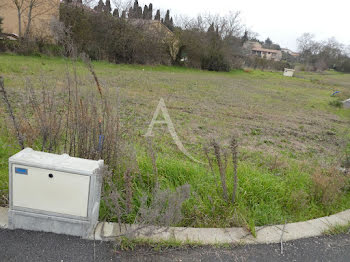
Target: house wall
255, 48
42, 16
275, 55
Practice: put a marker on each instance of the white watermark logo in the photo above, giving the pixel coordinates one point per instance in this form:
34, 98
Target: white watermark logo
162, 108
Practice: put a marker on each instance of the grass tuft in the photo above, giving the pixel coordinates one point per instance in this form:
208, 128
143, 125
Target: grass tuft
338, 229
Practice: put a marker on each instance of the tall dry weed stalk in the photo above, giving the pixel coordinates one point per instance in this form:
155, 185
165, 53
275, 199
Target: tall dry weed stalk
11, 113
220, 158
234, 151
66, 117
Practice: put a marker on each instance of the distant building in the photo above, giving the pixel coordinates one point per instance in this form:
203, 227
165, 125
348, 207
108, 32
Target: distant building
288, 51
255, 48
42, 14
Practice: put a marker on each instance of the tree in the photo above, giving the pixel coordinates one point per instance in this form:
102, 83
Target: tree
139, 12
211, 28
308, 48
168, 22
116, 13
145, 12
107, 7
150, 11
167, 17
1, 25
100, 6
306, 43
20, 9
245, 37
131, 13
31, 9
268, 42
157, 16
322, 55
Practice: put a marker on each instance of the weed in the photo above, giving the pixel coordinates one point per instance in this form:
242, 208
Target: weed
125, 243
275, 177
328, 185
255, 131
338, 229
221, 160
346, 161
336, 103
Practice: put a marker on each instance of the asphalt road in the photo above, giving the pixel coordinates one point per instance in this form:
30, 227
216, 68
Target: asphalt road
20, 245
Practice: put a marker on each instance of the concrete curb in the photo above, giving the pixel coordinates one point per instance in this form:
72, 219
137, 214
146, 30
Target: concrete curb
3, 217
265, 234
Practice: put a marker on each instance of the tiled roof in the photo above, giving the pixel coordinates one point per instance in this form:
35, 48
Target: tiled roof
266, 50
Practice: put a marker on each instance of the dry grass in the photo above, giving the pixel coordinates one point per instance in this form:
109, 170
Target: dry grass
329, 184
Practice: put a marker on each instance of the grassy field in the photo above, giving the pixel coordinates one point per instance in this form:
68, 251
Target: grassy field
287, 129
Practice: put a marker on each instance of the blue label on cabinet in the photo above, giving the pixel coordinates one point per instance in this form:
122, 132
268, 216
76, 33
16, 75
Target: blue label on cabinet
21, 171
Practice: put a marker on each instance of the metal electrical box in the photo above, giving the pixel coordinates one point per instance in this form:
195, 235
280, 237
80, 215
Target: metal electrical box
54, 193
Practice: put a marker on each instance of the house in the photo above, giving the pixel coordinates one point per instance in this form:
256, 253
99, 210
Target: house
42, 13
290, 52
256, 49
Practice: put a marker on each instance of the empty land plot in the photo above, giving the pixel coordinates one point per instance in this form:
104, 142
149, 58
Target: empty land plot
286, 128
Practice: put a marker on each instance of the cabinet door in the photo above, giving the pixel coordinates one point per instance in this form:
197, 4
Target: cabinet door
50, 190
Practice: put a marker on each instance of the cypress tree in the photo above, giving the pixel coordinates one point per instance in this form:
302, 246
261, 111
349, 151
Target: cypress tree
167, 17
131, 13
145, 12
108, 8
139, 12
168, 22
150, 11
136, 5
157, 16
245, 37
116, 13
100, 6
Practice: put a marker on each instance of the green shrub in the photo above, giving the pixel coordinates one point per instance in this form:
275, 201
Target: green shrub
215, 62
9, 45
262, 63
336, 103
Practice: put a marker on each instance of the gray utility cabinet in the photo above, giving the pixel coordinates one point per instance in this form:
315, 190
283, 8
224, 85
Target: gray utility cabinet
54, 193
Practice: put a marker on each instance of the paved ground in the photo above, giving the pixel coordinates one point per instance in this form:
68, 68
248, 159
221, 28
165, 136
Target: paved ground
22, 245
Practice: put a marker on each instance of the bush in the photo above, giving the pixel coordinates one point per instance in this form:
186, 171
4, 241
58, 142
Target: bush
261, 63
215, 62
104, 37
9, 45
336, 103
344, 65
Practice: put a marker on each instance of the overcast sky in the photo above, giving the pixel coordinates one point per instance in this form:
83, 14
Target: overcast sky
282, 21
